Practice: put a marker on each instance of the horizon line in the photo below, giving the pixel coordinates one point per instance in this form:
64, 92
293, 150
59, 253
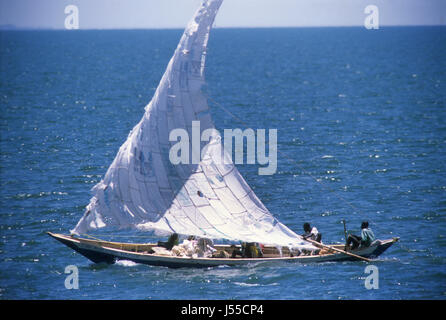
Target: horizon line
16, 28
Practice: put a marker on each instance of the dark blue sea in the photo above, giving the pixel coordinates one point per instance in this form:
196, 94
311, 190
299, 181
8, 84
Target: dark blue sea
361, 119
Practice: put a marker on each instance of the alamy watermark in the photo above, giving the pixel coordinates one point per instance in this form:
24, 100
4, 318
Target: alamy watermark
72, 280
372, 20
187, 150
72, 18
372, 280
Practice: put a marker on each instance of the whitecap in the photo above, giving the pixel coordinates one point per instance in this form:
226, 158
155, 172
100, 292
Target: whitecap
244, 284
126, 263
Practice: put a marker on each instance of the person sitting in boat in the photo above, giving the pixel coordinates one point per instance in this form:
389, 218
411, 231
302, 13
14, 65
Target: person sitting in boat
170, 243
365, 240
248, 250
253, 250
311, 233
236, 251
205, 247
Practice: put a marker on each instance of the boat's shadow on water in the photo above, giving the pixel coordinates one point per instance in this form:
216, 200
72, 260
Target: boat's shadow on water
97, 266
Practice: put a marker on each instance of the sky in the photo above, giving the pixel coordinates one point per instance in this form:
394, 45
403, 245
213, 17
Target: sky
156, 14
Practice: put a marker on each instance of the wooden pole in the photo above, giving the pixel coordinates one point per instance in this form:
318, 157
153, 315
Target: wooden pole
345, 232
317, 244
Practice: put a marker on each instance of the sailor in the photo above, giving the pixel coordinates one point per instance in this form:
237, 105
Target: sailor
236, 251
365, 240
311, 233
248, 250
171, 242
205, 247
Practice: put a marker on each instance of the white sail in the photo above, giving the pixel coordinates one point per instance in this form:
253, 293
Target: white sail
142, 188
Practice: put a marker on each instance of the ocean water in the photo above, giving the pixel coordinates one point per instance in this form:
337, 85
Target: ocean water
361, 119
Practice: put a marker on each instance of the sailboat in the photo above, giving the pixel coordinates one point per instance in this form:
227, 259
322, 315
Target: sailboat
206, 198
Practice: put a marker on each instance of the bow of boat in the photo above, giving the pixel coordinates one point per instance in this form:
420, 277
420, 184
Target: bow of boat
87, 250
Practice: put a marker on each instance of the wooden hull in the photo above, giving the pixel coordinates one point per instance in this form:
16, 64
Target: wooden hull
110, 252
